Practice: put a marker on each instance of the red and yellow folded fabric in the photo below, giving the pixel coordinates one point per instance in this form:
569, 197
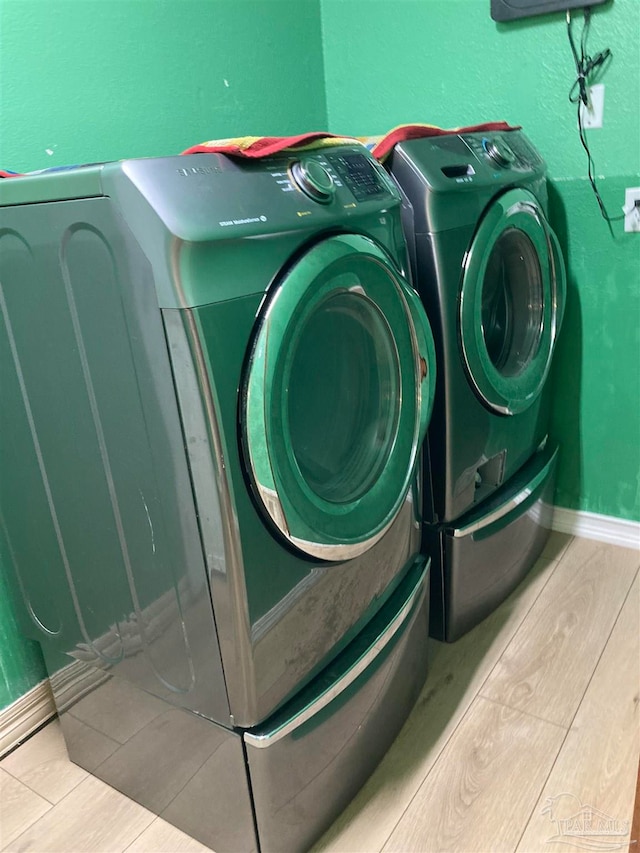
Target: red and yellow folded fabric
263, 146
381, 146
255, 147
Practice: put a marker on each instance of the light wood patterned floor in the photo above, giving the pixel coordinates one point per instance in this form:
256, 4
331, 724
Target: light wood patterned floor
529, 719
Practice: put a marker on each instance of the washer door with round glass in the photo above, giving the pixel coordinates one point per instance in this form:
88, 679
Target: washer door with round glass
512, 301
337, 397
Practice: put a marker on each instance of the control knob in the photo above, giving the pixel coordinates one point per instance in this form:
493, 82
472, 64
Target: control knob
497, 152
314, 180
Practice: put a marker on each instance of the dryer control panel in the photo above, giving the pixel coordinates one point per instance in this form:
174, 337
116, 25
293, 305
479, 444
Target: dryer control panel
342, 176
320, 176
359, 173
314, 180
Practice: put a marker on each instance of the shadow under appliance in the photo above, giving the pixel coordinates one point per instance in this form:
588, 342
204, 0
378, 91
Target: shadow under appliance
491, 275
215, 382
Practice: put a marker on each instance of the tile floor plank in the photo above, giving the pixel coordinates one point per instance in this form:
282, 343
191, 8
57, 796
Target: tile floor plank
92, 818
597, 765
162, 837
548, 664
484, 785
43, 765
19, 808
556, 545
456, 673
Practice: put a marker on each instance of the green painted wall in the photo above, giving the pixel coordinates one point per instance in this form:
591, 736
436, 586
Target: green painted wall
597, 375
446, 62
91, 80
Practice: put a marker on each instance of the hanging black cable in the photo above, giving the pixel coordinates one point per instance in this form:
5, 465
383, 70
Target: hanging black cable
587, 67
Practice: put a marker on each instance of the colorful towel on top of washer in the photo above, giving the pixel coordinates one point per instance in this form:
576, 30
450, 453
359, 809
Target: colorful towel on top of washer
251, 146
381, 146
262, 146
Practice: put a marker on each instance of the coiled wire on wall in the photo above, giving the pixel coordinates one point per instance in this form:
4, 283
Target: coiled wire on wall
586, 67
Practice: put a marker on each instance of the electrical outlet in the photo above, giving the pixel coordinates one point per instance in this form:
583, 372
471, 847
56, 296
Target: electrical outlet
592, 112
631, 209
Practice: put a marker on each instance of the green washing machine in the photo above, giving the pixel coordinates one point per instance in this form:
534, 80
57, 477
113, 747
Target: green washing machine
215, 381
490, 271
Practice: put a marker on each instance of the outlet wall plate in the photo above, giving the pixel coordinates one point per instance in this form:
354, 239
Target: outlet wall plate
509, 10
631, 212
592, 114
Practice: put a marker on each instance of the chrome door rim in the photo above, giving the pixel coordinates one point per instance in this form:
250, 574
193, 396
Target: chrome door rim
497, 392
267, 475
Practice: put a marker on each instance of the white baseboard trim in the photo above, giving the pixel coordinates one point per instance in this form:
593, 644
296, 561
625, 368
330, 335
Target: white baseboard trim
25, 715
606, 528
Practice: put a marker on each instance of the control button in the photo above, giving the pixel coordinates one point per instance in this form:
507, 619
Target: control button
497, 152
314, 180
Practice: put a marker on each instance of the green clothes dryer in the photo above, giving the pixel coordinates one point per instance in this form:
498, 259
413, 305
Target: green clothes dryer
215, 382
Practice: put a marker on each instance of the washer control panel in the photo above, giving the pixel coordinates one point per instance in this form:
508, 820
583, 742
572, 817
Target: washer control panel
498, 152
506, 151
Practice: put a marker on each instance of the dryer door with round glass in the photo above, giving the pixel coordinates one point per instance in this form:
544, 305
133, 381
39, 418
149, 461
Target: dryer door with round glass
337, 397
511, 304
